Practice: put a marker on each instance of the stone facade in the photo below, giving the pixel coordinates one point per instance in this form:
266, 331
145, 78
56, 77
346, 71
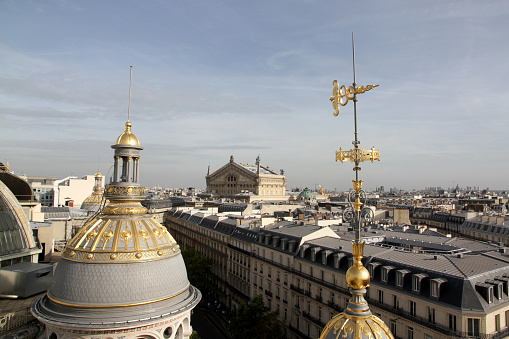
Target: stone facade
247, 181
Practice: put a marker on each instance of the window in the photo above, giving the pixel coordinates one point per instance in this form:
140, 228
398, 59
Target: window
416, 284
399, 279
309, 288
431, 314
452, 322
320, 313
473, 327
497, 322
507, 318
385, 274
380, 296
278, 276
410, 332
323, 275
270, 272
428, 336
395, 302
320, 293
413, 308
332, 298
393, 327
311, 271
285, 313
309, 307
434, 289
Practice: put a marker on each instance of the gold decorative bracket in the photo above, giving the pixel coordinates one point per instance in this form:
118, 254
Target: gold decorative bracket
358, 155
341, 95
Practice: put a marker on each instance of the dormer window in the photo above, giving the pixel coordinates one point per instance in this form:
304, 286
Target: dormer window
416, 282
385, 273
314, 250
400, 277
337, 259
371, 268
435, 285
497, 288
486, 291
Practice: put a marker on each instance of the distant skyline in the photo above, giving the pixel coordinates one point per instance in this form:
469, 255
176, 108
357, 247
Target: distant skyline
245, 78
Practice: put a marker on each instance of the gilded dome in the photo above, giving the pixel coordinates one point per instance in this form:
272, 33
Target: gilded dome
350, 327
123, 268
128, 137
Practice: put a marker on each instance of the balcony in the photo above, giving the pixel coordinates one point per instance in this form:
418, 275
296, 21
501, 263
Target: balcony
334, 306
268, 293
317, 321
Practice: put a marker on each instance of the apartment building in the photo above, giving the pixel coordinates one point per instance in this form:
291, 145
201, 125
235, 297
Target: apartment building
422, 286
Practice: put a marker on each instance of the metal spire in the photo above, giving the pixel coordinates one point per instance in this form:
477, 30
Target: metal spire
129, 107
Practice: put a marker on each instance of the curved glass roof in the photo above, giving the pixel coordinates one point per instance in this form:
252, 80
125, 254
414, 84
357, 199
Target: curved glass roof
15, 230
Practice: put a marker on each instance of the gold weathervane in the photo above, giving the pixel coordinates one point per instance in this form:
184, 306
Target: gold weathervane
341, 95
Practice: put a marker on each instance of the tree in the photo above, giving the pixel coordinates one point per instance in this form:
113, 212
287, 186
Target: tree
254, 320
194, 335
198, 268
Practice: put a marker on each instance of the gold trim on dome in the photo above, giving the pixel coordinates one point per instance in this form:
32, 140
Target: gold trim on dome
121, 305
125, 190
124, 209
118, 256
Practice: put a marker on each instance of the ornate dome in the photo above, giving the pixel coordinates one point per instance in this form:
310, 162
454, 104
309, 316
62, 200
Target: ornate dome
122, 269
306, 194
128, 137
15, 231
94, 201
349, 327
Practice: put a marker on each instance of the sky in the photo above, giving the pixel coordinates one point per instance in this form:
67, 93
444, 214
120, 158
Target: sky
214, 78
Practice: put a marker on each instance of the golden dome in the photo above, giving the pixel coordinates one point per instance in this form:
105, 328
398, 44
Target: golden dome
128, 137
350, 327
110, 239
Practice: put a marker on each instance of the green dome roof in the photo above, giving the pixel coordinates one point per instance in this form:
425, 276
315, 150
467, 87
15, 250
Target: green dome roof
306, 194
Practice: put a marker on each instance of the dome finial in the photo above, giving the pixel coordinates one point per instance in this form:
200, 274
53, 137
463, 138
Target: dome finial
129, 106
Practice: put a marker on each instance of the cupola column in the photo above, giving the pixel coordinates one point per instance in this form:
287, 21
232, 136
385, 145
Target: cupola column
128, 169
115, 169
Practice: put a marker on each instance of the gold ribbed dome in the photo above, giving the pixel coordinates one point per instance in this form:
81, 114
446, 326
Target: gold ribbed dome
352, 327
112, 239
128, 137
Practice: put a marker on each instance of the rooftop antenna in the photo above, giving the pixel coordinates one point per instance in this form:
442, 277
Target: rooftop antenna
130, 81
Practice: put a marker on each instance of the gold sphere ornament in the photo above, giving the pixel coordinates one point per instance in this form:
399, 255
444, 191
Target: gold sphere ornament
357, 277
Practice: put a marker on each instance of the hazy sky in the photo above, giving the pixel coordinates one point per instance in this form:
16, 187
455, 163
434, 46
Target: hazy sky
214, 78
